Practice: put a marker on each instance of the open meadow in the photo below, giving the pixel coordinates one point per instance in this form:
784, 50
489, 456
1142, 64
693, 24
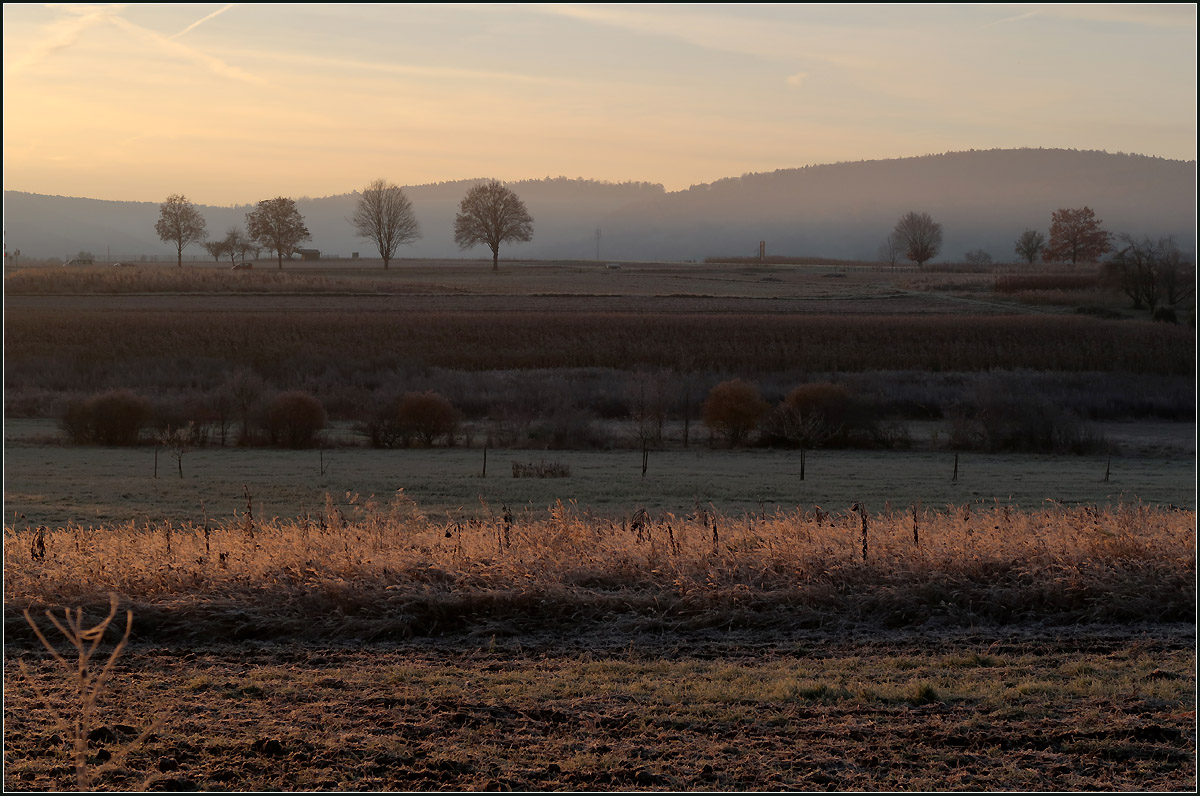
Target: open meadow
988, 585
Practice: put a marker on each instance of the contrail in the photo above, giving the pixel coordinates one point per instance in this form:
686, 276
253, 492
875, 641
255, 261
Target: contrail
214, 64
200, 22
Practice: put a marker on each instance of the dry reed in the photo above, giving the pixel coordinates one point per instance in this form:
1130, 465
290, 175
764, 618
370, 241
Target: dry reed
374, 568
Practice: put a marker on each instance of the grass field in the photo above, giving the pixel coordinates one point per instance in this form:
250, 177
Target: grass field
56, 484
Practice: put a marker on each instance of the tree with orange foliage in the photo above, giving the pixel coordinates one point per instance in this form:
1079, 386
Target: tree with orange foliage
1076, 236
733, 410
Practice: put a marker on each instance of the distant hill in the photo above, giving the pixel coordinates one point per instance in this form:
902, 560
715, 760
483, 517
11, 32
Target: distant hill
983, 199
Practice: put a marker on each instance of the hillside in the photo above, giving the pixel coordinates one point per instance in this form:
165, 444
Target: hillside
983, 199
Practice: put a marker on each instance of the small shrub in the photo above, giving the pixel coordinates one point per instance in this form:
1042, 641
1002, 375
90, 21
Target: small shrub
831, 401
541, 470
427, 416
294, 419
1166, 315
111, 418
191, 415
733, 409
824, 413
1029, 424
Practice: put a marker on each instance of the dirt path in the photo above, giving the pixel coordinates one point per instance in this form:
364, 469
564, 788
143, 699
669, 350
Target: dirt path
990, 307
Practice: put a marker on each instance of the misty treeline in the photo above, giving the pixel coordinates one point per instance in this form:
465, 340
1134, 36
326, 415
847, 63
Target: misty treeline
1154, 274
842, 211
595, 380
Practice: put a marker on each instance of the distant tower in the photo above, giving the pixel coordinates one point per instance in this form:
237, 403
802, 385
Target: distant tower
597, 243
762, 251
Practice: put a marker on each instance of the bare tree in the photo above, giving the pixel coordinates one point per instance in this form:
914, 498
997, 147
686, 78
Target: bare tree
1029, 245
178, 441
179, 222
801, 426
216, 248
278, 226
978, 257
810, 416
891, 250
920, 235
1150, 272
385, 215
492, 214
1178, 276
235, 244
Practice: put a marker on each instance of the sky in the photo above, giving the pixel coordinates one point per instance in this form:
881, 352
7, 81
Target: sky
233, 103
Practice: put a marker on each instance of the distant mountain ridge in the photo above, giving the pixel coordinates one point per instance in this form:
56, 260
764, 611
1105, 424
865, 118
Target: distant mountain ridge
983, 198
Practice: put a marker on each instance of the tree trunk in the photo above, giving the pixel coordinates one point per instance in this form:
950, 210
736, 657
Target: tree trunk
496, 258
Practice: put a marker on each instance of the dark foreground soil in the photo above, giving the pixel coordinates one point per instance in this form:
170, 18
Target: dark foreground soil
1033, 708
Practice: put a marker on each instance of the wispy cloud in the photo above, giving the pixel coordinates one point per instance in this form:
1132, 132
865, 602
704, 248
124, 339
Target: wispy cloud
200, 22
64, 32
470, 75
1014, 18
1150, 15
714, 29
1155, 15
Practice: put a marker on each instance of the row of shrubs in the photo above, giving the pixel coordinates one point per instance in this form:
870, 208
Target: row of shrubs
291, 419
828, 415
814, 415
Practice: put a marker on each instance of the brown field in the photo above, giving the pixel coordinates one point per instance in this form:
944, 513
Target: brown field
1076, 709
479, 339
811, 282
353, 619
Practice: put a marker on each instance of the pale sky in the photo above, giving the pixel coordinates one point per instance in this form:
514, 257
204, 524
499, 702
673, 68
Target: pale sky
230, 103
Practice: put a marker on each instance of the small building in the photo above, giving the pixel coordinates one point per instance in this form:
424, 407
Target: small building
309, 254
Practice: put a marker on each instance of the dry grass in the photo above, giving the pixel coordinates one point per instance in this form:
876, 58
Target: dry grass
388, 570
